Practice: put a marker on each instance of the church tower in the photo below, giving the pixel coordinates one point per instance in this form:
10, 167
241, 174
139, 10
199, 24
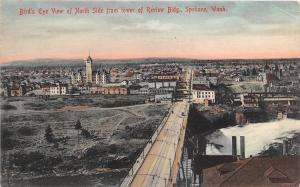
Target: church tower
88, 69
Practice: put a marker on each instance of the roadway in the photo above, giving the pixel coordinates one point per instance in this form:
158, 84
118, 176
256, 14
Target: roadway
156, 169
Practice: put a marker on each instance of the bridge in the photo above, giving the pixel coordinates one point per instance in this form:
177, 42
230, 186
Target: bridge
158, 163
253, 98
268, 94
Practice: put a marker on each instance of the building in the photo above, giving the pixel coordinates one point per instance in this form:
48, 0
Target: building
45, 89
262, 77
201, 93
76, 78
109, 90
4, 90
115, 90
213, 80
163, 97
138, 90
17, 90
163, 83
166, 76
162, 86
138, 76
89, 70
90, 77
101, 77
205, 80
156, 84
256, 171
201, 80
58, 89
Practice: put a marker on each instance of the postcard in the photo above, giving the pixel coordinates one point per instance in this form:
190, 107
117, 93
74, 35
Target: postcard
150, 93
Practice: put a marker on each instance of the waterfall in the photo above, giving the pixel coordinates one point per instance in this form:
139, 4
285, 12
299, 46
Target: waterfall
258, 136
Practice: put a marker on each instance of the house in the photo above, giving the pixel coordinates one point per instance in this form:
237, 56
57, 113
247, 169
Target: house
256, 171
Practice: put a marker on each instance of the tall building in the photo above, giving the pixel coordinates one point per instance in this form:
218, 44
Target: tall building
88, 69
91, 77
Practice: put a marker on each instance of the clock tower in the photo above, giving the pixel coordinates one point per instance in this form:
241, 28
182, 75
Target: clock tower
88, 69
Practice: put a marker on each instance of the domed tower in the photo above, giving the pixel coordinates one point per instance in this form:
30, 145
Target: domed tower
89, 70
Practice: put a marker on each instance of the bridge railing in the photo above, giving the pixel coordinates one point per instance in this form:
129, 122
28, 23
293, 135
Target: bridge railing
179, 149
136, 166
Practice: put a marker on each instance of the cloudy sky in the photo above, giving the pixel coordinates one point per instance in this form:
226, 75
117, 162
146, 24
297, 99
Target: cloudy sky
245, 30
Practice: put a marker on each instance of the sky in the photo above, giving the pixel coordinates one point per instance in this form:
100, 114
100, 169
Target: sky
245, 30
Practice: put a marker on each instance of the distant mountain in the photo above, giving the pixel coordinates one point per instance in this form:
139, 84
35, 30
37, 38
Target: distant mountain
74, 62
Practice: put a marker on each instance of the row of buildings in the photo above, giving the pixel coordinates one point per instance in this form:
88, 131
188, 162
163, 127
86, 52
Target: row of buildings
102, 82
159, 81
99, 81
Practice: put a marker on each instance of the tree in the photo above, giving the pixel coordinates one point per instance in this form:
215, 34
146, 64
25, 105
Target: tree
254, 71
248, 72
203, 72
78, 127
49, 136
85, 133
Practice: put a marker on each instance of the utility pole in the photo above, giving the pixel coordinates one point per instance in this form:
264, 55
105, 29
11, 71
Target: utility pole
190, 85
170, 169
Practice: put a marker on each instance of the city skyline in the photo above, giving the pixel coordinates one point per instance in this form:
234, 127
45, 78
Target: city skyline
253, 30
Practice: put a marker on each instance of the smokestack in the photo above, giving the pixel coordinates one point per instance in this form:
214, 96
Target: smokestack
234, 152
242, 146
284, 147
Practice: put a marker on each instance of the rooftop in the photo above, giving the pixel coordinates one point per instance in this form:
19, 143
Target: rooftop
256, 171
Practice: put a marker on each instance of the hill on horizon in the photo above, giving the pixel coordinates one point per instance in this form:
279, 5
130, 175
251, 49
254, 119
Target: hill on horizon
75, 62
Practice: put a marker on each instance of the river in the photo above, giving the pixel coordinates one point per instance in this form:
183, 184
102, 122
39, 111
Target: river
258, 136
